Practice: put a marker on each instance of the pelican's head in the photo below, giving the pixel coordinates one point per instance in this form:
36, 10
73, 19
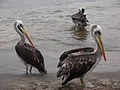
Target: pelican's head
20, 29
96, 33
18, 22
81, 10
17, 25
94, 28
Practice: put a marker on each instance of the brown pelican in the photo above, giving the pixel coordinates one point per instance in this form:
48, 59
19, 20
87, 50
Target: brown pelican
80, 18
77, 63
29, 55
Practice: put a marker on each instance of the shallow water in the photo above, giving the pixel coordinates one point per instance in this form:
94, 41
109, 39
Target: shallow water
51, 28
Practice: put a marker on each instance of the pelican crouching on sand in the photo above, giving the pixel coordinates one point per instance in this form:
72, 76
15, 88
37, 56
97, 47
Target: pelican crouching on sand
77, 63
29, 55
80, 19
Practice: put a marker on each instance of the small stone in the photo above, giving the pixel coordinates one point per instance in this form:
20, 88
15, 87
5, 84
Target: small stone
116, 84
55, 83
44, 86
105, 81
89, 85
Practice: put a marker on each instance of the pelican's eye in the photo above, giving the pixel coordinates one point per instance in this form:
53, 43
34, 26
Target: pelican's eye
98, 32
21, 25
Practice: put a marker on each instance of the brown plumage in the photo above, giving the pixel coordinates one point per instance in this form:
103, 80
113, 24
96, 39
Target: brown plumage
76, 63
30, 56
80, 51
80, 18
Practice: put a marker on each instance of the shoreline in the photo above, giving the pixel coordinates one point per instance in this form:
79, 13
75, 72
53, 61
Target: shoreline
100, 81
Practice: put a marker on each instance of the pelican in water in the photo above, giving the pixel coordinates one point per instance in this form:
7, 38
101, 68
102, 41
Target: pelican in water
30, 56
79, 19
76, 63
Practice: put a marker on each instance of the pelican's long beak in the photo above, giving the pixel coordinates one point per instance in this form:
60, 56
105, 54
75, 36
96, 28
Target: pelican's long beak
27, 36
101, 45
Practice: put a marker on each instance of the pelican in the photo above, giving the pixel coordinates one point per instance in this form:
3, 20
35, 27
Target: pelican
77, 63
29, 55
79, 19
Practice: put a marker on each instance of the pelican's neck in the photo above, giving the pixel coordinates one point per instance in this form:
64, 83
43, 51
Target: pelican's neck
98, 53
21, 35
22, 38
98, 50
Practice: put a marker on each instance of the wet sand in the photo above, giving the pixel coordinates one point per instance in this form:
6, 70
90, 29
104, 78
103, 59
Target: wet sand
100, 81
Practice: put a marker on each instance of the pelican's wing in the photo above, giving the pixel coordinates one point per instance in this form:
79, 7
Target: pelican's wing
77, 64
76, 16
30, 56
80, 51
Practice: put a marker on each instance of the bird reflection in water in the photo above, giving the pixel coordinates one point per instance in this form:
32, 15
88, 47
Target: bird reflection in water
79, 33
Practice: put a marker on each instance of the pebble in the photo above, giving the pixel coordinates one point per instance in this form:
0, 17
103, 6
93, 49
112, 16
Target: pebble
44, 86
105, 81
89, 85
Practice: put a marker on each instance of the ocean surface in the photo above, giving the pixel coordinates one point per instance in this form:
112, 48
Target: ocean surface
52, 30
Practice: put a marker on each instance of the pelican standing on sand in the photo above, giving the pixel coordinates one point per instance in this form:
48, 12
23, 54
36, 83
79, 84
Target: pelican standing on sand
77, 63
29, 55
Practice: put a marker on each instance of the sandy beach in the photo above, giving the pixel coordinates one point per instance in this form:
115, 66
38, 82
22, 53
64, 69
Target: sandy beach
97, 81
